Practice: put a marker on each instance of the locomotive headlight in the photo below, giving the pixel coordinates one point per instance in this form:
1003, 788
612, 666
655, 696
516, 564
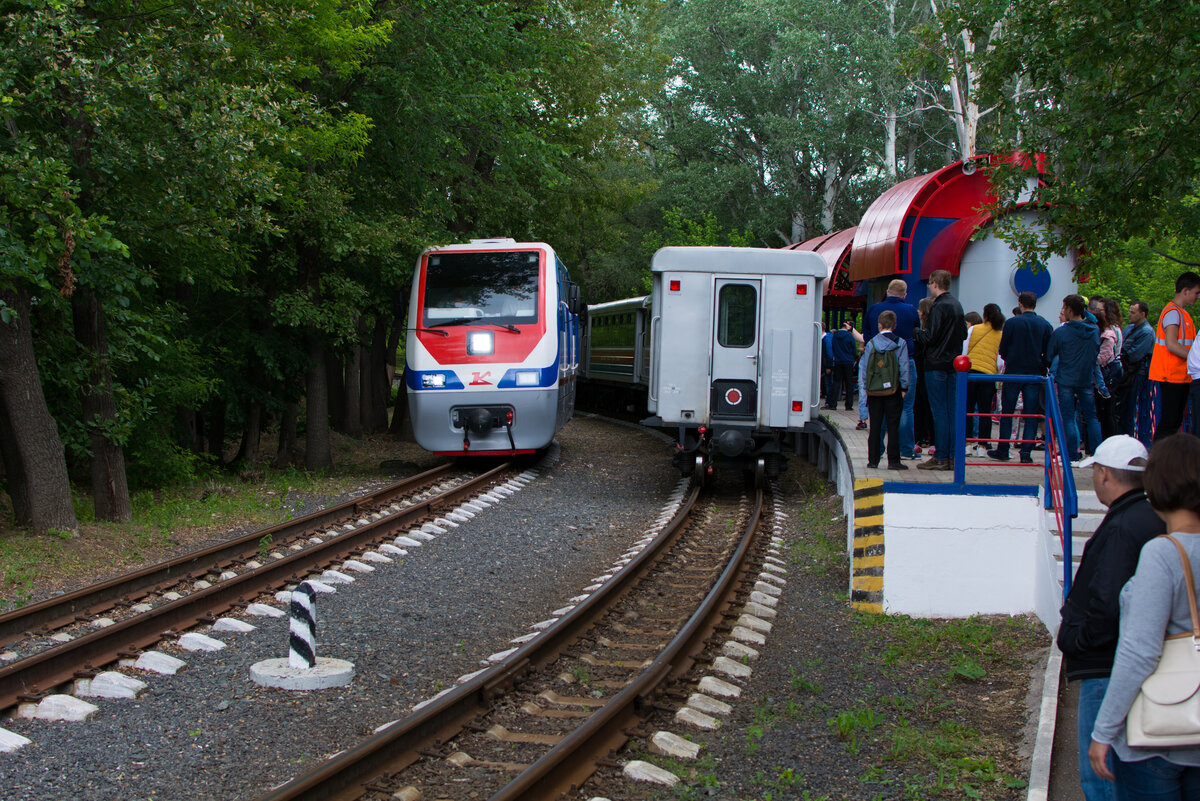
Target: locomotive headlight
527, 378
433, 380
480, 343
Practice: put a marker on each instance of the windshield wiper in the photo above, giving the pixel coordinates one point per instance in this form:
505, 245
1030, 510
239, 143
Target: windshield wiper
430, 331
478, 321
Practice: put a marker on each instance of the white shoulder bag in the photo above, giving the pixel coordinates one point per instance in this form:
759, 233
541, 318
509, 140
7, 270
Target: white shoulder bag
1166, 712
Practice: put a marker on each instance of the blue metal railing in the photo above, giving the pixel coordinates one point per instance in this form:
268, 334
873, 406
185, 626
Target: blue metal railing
1060, 494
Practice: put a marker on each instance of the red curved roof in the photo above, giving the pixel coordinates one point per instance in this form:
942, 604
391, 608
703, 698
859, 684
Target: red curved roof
946, 250
886, 235
835, 249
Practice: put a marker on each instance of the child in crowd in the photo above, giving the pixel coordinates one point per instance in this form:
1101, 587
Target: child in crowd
883, 379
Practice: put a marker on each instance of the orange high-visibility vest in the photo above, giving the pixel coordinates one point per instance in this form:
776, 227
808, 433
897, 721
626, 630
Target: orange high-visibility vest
1164, 365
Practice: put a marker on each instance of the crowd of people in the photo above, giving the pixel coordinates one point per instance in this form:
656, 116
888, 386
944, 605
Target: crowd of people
1112, 376
1124, 390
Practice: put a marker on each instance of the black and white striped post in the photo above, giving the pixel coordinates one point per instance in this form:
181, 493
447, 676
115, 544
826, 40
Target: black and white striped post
302, 669
302, 631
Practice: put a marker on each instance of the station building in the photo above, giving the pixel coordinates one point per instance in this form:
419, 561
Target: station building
940, 220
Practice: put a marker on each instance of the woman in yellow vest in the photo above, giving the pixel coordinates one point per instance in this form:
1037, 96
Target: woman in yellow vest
983, 349
1168, 362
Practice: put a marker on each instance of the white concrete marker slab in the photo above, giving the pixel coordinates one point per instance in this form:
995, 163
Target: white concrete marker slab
473, 507
109, 684
171, 596
640, 771
421, 536
407, 542
336, 577
326, 673
10, 741
228, 575
708, 705
262, 610
199, 642
102, 622
233, 624
140, 609
743, 634
767, 589
58, 707
501, 656
387, 547
355, 566
9, 656
469, 676
669, 744
760, 611
444, 523
321, 586
769, 601
562, 611
524, 638
545, 624
723, 664
430, 528
156, 662
697, 719
376, 558
754, 623
735, 650
202, 585
457, 518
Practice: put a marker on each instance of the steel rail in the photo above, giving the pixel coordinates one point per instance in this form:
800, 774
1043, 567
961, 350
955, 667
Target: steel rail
561, 768
56, 665
398, 746
63, 609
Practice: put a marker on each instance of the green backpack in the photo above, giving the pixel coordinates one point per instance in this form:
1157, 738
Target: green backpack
883, 373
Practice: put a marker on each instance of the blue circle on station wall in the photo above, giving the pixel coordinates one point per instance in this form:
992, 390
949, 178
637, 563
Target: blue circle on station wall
1024, 279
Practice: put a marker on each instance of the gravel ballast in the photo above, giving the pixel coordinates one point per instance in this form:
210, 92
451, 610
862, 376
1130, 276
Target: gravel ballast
839, 706
410, 629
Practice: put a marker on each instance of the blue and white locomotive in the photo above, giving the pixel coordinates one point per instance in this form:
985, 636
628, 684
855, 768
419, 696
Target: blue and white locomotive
492, 348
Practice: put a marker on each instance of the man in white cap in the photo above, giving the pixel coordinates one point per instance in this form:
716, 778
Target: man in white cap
1087, 635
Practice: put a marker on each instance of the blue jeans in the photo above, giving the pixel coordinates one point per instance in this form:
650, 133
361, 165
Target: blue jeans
1135, 411
942, 391
1155, 779
906, 436
1081, 399
1091, 695
1009, 392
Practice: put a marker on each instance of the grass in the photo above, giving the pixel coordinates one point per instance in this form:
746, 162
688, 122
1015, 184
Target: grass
167, 520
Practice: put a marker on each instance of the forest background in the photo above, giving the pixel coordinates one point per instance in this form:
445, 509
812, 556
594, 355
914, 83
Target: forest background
208, 210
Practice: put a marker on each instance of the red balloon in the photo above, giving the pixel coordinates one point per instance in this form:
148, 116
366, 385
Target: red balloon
962, 363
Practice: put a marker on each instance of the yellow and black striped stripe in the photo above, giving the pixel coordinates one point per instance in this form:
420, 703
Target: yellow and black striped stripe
866, 564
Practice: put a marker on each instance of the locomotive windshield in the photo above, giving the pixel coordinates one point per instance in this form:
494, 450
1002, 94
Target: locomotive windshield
498, 287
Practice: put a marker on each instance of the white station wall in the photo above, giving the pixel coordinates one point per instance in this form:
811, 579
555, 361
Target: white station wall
986, 276
962, 555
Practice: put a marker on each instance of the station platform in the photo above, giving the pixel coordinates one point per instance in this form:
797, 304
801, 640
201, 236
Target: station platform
979, 470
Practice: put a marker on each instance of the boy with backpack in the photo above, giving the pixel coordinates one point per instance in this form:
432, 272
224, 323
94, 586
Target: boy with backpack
883, 382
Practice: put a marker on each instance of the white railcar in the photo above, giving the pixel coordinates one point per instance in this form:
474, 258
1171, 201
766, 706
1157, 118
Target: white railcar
493, 347
736, 338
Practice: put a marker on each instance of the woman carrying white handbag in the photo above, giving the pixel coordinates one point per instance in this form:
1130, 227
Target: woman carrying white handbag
1150, 718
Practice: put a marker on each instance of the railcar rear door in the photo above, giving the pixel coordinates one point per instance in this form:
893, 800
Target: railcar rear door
735, 349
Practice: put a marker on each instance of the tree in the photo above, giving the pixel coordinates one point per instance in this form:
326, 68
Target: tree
1114, 104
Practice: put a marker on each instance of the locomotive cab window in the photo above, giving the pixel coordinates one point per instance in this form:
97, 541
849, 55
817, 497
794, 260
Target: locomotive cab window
493, 287
737, 316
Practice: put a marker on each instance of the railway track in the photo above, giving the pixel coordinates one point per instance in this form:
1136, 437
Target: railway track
313, 543
555, 708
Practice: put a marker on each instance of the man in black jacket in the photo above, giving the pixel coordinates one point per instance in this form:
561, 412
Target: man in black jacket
1087, 635
942, 336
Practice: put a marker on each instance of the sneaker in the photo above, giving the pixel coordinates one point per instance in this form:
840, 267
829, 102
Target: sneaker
1002, 457
862, 425
873, 465
931, 464
916, 450
1026, 459
897, 466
